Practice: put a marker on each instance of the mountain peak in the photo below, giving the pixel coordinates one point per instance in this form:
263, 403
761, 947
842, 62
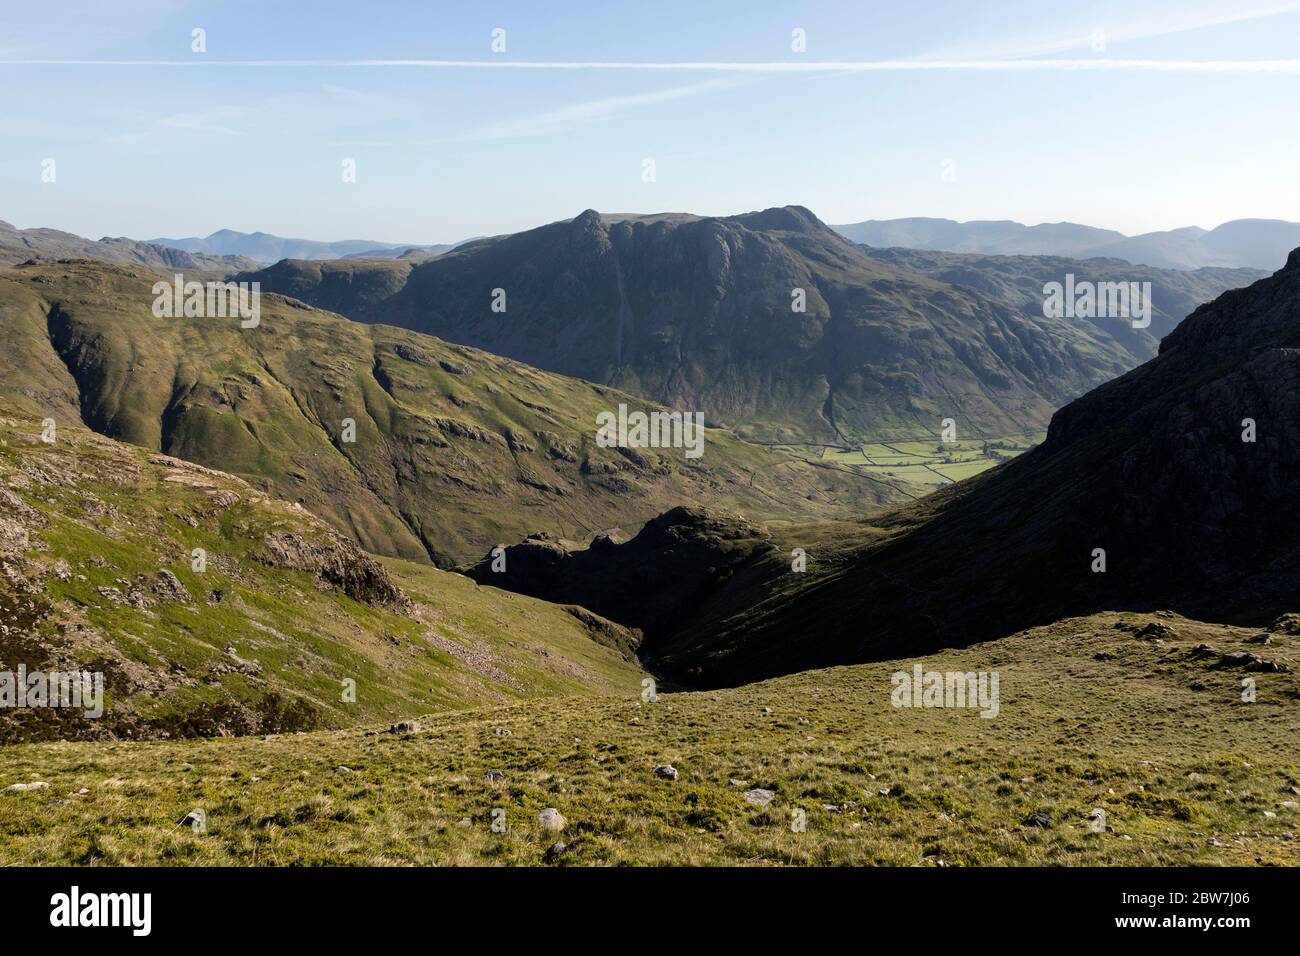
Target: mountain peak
782, 218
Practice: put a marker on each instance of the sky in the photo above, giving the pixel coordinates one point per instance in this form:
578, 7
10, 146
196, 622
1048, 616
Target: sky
1184, 114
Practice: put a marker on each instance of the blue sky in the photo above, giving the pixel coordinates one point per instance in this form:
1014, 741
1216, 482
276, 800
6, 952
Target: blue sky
444, 153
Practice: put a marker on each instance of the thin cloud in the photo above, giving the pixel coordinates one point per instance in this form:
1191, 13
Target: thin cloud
1128, 30
577, 115
327, 108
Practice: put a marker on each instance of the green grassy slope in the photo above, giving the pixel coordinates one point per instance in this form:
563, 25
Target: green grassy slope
1114, 713
262, 637
455, 450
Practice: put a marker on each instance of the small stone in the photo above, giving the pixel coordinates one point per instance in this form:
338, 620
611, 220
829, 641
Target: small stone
554, 850
666, 771
494, 776
34, 785
760, 797
501, 732
1269, 813
1038, 819
1259, 639
735, 782
551, 820
405, 727
342, 769
465, 821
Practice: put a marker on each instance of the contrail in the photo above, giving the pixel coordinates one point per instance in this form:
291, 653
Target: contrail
852, 66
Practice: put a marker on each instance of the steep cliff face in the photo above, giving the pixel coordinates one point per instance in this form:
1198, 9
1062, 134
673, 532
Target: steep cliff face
769, 321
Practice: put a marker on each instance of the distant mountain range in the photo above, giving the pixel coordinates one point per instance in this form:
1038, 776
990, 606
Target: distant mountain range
21, 245
1241, 243
1255, 243
703, 313
264, 247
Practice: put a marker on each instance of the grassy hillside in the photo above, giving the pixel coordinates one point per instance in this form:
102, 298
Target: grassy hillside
97, 573
1117, 712
455, 450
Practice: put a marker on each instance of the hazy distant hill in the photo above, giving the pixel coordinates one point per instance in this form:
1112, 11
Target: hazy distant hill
265, 247
699, 313
20, 245
1019, 280
1241, 243
994, 236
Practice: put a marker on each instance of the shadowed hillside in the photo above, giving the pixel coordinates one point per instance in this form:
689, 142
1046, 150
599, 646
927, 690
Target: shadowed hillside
1151, 468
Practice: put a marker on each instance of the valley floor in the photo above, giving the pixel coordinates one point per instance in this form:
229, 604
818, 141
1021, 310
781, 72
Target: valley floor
921, 463
1117, 712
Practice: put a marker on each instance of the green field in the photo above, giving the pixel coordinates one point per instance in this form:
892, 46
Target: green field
925, 463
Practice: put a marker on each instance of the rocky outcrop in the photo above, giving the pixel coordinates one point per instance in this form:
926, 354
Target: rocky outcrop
336, 562
673, 565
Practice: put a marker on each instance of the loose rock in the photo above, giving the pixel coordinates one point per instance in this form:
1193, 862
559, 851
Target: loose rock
551, 820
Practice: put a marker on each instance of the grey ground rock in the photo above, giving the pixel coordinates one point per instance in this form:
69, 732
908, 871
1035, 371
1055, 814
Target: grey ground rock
551, 820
